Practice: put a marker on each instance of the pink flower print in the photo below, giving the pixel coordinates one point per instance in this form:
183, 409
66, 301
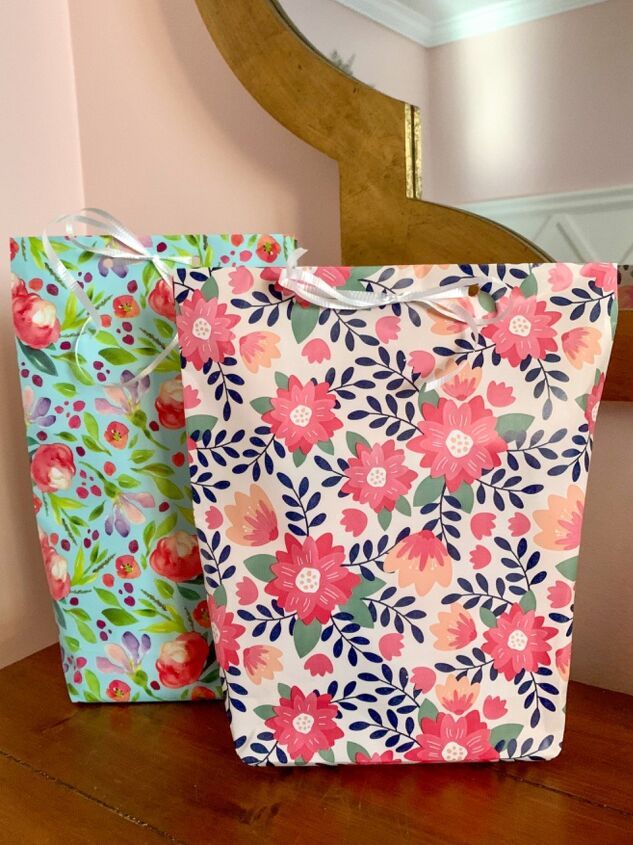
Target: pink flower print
494, 707
524, 328
560, 277
240, 280
319, 664
391, 645
354, 521
482, 524
377, 476
161, 300
449, 740
375, 759
34, 319
213, 517
119, 691
301, 415
518, 642
191, 397
387, 328
560, 594
310, 578
480, 556
423, 678
519, 525
458, 441
605, 276
226, 634
247, 591
204, 329
316, 351
563, 661
593, 403
53, 467
499, 394
421, 362
305, 724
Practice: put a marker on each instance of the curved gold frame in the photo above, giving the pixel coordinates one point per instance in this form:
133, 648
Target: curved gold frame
376, 142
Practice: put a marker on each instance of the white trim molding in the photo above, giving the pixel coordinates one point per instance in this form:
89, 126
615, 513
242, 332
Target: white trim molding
581, 226
489, 17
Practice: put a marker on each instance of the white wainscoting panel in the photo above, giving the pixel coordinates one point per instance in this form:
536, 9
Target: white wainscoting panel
581, 226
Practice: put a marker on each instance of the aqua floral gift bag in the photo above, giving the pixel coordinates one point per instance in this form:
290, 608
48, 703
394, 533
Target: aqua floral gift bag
388, 482
103, 401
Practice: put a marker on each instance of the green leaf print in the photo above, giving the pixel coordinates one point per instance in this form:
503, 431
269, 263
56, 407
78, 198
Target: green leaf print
353, 439
303, 321
428, 491
568, 568
354, 749
509, 426
118, 616
529, 286
114, 355
259, 566
39, 359
427, 710
209, 289
66, 389
504, 733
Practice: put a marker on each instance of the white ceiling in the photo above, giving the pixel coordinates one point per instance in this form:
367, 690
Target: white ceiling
434, 22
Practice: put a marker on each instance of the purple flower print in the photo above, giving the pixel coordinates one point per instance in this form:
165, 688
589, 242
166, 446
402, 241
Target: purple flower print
36, 411
119, 266
124, 399
126, 657
126, 511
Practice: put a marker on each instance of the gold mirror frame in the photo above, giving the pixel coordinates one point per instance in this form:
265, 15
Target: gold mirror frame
376, 141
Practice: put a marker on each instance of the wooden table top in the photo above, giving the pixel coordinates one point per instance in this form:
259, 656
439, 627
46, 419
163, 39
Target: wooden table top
146, 773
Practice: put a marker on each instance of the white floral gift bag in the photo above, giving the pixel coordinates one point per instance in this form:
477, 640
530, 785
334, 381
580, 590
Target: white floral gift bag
388, 479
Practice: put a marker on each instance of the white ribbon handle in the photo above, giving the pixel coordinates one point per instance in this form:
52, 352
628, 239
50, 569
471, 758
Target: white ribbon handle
304, 283
135, 251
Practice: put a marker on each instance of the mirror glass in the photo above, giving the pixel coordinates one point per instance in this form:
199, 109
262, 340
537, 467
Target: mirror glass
525, 107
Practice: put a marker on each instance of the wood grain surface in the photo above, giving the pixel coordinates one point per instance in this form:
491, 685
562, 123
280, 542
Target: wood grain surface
145, 772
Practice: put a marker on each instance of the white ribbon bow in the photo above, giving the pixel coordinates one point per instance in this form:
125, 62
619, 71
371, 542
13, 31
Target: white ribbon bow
135, 251
304, 283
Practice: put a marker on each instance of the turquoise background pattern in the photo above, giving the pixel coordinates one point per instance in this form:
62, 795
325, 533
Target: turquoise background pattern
111, 487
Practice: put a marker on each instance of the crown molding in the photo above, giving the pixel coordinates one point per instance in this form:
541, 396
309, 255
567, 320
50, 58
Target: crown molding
396, 16
418, 27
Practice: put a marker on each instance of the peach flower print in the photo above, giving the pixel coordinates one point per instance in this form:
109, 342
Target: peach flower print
581, 346
252, 518
561, 523
454, 629
457, 696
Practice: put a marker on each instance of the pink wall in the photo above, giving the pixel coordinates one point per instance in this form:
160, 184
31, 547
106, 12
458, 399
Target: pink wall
534, 109
41, 179
170, 141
